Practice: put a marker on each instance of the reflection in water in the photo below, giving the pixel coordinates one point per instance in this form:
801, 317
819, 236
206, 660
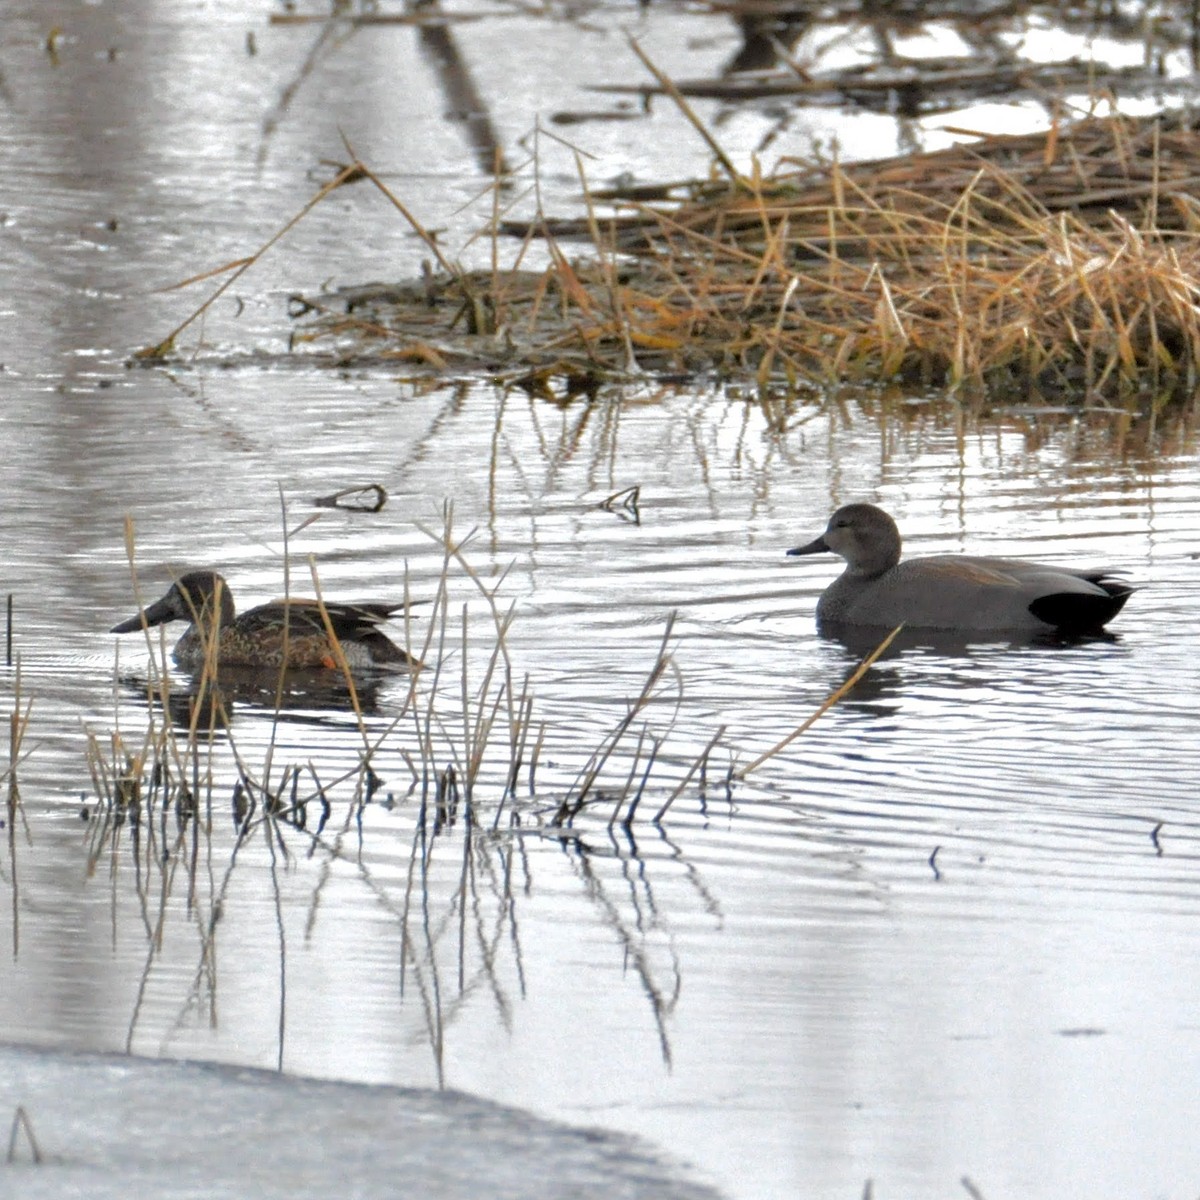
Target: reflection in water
627, 906
206, 704
217, 821
862, 640
767, 38
971, 667
466, 103
331, 37
317, 690
464, 100
194, 874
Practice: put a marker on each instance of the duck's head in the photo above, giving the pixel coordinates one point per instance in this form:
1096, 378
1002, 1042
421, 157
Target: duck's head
865, 536
193, 597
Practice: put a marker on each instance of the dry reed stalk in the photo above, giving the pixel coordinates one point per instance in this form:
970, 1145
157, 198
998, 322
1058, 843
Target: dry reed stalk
185, 755
832, 699
700, 764
936, 293
631, 812
619, 314
18, 727
239, 267
578, 793
483, 700
684, 107
456, 743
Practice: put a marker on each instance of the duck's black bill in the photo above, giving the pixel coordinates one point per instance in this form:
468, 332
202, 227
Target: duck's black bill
128, 626
814, 547
156, 614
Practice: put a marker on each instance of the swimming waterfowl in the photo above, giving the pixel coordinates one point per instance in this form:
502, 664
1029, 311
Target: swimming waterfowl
953, 591
260, 636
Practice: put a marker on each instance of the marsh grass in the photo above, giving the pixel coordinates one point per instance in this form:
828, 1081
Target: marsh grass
970, 270
1060, 266
18, 727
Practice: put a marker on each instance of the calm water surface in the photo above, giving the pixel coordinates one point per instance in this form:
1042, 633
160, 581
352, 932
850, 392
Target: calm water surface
950, 930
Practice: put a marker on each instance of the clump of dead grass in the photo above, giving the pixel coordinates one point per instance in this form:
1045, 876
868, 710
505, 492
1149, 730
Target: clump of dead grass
983, 293
1064, 262
1063, 265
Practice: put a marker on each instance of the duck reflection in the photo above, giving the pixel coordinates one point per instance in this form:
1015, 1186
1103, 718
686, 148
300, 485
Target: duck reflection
197, 701
960, 660
862, 640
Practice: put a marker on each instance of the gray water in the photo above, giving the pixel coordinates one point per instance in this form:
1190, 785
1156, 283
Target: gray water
951, 930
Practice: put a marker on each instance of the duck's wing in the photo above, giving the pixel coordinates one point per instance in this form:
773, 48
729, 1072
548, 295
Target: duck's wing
972, 591
356, 627
950, 570
304, 615
1073, 601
